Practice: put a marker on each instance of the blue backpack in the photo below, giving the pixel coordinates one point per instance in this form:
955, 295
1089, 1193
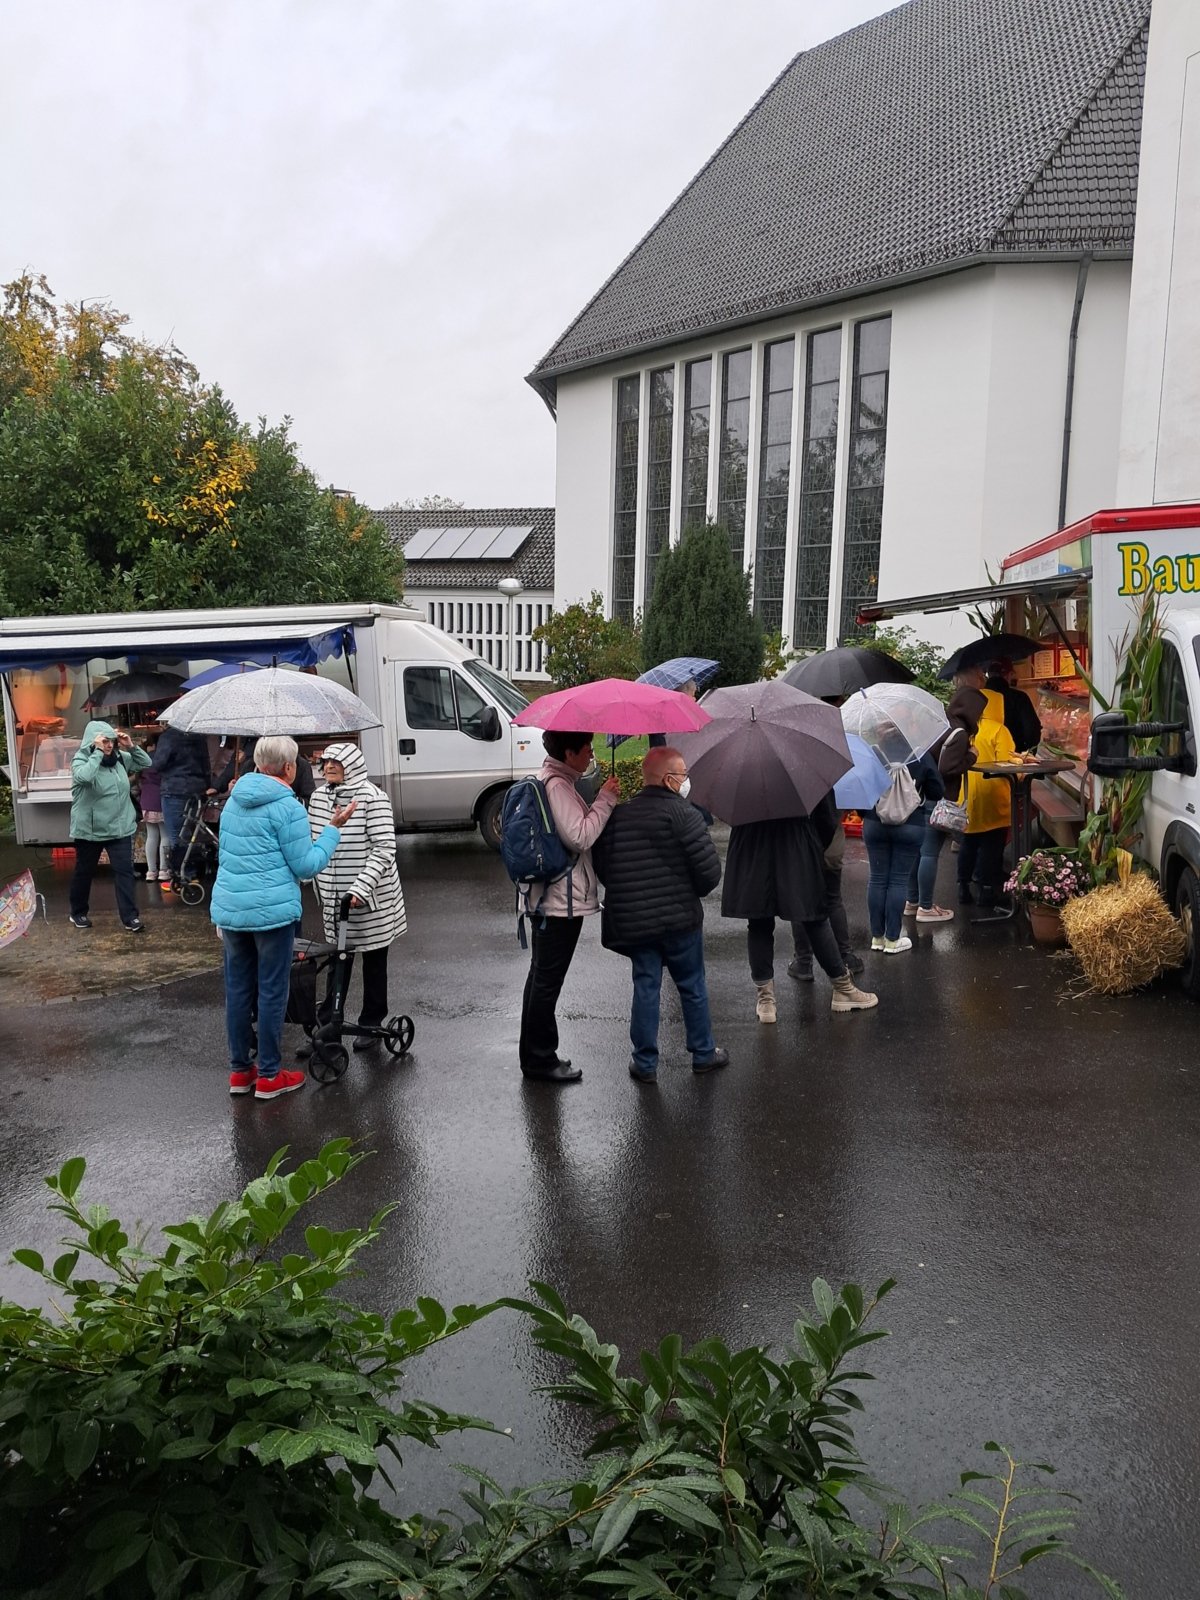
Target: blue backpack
530, 848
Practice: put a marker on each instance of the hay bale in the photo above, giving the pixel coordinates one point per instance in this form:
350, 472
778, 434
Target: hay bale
1123, 935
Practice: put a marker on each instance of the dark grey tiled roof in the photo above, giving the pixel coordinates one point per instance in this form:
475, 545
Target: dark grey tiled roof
533, 563
940, 133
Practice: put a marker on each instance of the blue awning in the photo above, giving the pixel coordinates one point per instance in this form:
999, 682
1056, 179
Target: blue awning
293, 646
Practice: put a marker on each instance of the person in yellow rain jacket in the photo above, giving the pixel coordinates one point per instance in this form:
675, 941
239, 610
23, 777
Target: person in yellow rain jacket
988, 800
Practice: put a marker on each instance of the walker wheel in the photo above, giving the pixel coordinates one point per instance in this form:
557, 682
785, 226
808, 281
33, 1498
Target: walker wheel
192, 894
328, 1061
399, 1036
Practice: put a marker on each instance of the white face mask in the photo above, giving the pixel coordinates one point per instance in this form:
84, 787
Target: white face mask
684, 789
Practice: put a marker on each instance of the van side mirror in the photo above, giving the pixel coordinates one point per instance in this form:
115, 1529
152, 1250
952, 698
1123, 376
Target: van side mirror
489, 724
1108, 747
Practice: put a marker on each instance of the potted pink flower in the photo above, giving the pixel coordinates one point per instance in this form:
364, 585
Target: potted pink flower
1043, 882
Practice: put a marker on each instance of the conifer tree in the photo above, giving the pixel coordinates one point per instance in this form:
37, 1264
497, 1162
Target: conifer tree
701, 607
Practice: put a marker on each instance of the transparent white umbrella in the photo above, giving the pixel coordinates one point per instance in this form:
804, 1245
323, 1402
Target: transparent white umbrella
898, 720
270, 702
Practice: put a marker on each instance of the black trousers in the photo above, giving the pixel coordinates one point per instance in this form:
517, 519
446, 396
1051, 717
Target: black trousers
760, 944
837, 920
87, 856
552, 945
375, 987
987, 851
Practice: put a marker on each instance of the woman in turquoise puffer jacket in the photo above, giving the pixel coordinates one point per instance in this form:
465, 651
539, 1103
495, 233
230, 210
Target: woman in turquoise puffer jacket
103, 818
266, 850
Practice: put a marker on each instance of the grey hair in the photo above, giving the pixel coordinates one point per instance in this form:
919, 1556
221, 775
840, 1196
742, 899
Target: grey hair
275, 753
968, 677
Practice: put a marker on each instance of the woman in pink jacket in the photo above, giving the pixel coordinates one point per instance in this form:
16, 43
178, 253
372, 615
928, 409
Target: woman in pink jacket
557, 925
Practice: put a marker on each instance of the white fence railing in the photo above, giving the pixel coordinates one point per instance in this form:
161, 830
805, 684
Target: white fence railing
482, 623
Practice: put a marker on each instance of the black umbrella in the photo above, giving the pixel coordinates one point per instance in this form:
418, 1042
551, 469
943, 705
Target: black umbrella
836, 673
134, 689
990, 647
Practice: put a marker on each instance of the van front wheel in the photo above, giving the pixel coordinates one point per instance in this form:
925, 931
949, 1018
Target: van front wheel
489, 818
1187, 909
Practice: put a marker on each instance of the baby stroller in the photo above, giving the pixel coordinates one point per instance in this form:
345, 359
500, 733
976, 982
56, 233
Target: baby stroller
200, 850
310, 961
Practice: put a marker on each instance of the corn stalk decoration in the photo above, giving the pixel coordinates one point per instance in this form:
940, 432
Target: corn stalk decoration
1114, 828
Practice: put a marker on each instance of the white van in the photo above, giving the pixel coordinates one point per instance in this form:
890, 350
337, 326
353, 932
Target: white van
445, 753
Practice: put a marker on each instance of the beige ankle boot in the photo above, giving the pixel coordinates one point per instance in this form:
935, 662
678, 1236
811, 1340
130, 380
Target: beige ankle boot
765, 1002
847, 998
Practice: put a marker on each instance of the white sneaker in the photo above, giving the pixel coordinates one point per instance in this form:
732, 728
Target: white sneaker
934, 914
894, 947
878, 944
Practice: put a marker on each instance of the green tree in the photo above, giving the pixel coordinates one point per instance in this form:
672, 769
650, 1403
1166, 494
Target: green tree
922, 659
127, 484
701, 607
582, 644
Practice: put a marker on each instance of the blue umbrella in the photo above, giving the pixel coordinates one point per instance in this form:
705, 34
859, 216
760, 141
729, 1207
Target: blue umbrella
674, 674
223, 669
867, 779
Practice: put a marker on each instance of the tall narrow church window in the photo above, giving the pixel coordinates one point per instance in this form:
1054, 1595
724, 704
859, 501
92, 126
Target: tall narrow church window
864, 483
735, 445
774, 475
818, 470
658, 463
625, 513
697, 406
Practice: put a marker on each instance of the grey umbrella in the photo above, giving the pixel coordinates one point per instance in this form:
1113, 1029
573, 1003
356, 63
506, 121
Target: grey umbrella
274, 700
770, 751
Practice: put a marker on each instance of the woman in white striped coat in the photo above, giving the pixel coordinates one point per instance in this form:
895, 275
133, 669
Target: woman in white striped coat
363, 867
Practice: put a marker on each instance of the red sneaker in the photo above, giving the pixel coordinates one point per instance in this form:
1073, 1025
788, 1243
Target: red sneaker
243, 1081
283, 1082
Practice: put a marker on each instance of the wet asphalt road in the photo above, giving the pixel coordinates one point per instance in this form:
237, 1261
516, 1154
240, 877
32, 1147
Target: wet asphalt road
1024, 1162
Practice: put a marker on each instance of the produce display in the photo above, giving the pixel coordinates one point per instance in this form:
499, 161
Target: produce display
1066, 718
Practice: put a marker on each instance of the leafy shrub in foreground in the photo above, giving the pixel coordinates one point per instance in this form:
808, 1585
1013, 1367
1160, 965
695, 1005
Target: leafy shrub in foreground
208, 1420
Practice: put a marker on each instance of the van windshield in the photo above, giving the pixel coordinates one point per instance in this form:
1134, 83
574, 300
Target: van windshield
499, 688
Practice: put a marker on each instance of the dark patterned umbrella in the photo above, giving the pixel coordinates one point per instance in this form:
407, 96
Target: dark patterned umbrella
770, 751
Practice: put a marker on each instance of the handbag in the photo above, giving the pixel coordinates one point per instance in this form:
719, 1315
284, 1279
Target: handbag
899, 800
950, 816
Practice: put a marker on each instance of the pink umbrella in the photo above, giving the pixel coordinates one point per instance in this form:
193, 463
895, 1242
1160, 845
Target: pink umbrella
614, 705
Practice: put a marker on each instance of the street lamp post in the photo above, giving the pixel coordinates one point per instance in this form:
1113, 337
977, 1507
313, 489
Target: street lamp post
510, 588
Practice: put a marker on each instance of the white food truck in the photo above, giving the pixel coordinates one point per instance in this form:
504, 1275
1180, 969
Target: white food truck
1082, 585
445, 753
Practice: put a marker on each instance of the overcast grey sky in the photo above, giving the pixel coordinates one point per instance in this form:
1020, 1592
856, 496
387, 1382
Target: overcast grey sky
372, 215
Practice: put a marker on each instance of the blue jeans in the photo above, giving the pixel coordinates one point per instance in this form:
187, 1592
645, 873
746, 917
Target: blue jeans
892, 851
683, 956
922, 880
172, 810
258, 966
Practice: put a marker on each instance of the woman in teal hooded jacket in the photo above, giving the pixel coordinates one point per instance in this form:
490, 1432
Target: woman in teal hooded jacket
103, 818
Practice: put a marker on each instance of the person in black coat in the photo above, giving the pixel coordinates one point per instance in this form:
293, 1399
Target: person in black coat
238, 766
1021, 720
182, 760
777, 869
656, 860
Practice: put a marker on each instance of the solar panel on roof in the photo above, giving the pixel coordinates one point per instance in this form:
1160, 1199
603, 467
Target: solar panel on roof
506, 543
418, 546
449, 542
477, 543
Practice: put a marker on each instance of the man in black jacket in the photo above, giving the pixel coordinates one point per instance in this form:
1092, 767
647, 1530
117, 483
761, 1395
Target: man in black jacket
656, 860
